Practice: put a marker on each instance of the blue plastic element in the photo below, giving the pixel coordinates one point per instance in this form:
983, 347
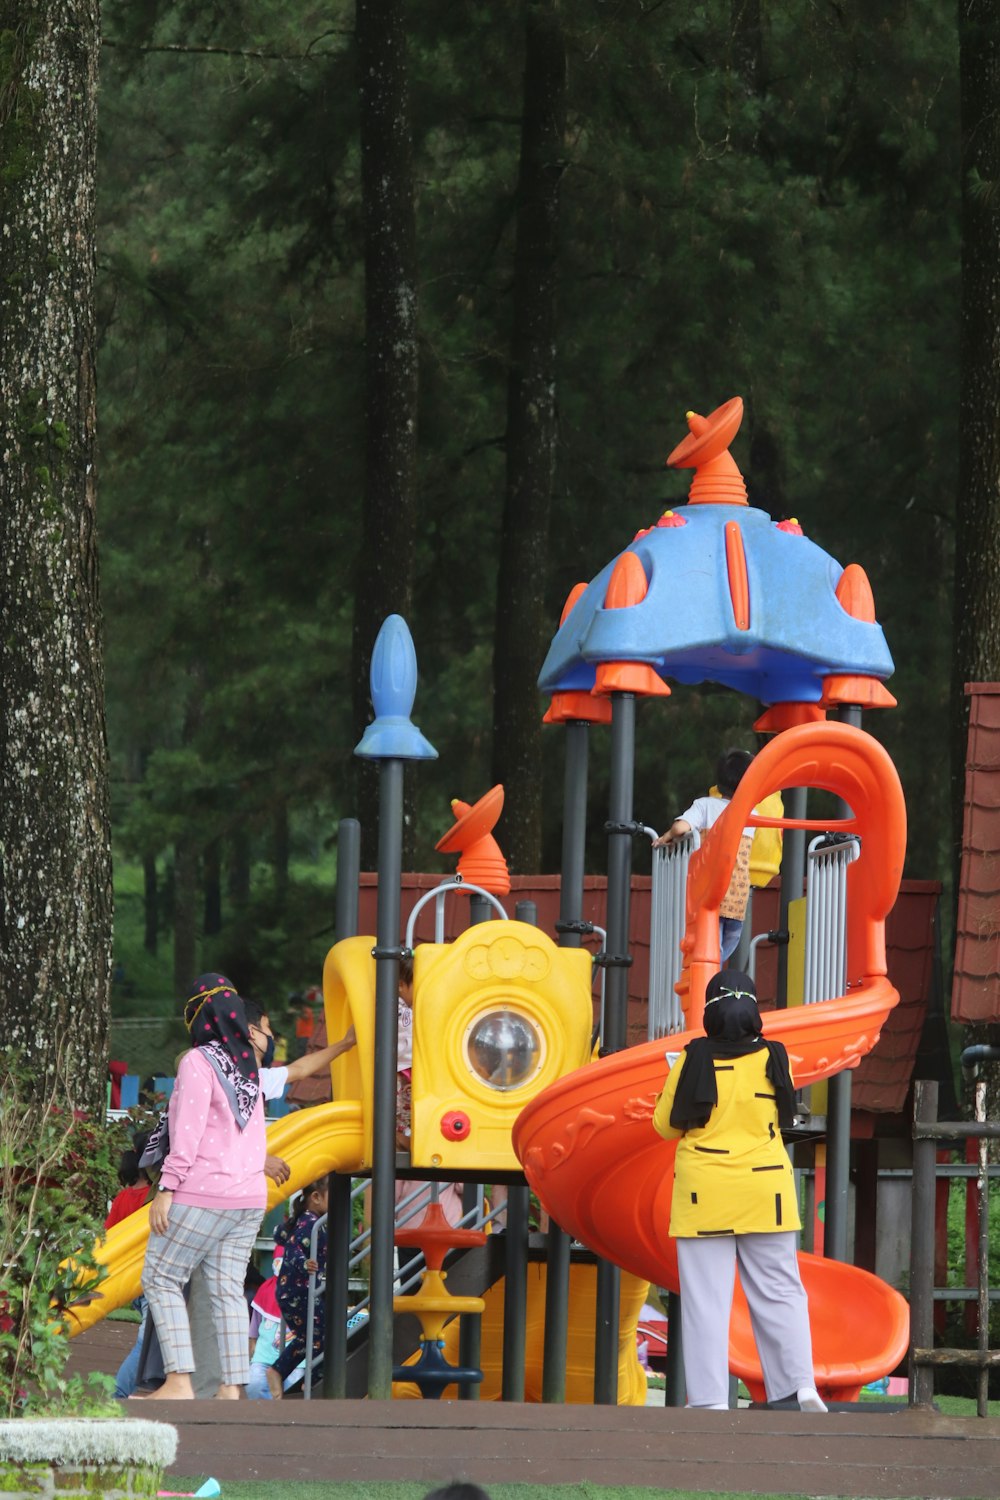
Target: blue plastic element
433, 1374
391, 735
129, 1097
684, 628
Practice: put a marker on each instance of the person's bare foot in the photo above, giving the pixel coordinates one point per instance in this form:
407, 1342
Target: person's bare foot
176, 1387
228, 1393
273, 1383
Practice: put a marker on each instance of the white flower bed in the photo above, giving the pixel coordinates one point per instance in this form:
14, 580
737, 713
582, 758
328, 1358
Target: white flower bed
81, 1440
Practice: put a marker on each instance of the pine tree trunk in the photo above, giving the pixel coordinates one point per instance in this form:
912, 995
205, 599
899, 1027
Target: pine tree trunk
280, 853
385, 563
977, 537
239, 870
150, 904
185, 915
522, 626
977, 553
212, 888
55, 855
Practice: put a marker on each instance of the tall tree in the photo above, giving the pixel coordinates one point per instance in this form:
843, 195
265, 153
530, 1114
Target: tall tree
55, 864
522, 623
977, 553
385, 563
977, 531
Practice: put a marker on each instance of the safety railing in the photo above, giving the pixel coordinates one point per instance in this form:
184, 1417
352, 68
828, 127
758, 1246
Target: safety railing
826, 915
928, 1133
667, 920
410, 1207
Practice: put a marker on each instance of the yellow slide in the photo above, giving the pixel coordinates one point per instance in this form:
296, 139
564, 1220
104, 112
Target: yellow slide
325, 1138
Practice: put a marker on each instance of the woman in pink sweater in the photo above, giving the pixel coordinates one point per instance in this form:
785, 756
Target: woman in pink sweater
211, 1195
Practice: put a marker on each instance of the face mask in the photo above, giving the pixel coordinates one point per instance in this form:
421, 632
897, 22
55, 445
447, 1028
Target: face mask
268, 1057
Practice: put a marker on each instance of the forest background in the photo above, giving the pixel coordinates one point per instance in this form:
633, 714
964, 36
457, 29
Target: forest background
735, 197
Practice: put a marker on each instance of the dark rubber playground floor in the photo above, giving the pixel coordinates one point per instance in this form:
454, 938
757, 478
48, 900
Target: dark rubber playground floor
864, 1453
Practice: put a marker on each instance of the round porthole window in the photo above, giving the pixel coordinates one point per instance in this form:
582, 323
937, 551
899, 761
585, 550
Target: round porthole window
504, 1049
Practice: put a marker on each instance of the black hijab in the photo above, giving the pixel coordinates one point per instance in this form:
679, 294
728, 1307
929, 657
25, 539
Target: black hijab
733, 1029
217, 1023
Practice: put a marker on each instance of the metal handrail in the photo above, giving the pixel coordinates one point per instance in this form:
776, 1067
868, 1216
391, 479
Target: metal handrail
438, 894
407, 1209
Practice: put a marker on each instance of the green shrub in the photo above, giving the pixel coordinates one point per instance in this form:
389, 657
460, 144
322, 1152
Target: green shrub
57, 1169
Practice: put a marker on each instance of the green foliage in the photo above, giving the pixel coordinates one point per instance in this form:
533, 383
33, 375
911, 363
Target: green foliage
792, 236
56, 1171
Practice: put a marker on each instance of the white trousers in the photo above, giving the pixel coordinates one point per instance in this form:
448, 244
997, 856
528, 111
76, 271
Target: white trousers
779, 1313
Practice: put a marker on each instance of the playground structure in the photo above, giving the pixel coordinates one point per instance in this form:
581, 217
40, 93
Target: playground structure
768, 613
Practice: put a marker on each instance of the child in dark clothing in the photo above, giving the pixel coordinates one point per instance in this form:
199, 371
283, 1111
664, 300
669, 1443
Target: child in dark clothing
293, 1283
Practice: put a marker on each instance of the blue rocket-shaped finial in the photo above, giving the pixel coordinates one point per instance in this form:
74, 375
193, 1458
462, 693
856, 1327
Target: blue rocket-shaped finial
393, 679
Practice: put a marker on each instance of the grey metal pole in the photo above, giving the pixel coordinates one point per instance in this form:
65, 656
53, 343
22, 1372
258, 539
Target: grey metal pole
338, 1255
675, 1393
557, 1245
925, 1108
470, 1327
793, 859
617, 959
479, 910
338, 1240
527, 912
348, 872
838, 1115
515, 1294
391, 739
390, 868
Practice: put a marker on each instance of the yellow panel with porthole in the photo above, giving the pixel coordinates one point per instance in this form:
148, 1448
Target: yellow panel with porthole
498, 1015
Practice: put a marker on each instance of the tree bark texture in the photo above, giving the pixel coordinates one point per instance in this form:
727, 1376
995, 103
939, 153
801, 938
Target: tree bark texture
977, 532
522, 627
977, 551
185, 915
55, 854
385, 564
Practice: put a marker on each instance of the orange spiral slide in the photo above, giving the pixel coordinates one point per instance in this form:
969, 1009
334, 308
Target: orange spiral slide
587, 1144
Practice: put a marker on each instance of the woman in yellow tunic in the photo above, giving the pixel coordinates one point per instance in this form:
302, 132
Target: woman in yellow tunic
725, 1101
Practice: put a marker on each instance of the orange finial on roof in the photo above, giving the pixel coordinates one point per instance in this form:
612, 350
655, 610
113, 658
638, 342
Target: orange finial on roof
628, 586
717, 480
471, 836
854, 593
576, 706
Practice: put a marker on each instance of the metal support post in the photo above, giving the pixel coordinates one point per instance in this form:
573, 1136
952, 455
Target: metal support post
676, 1389
925, 1108
557, 1244
338, 1257
348, 872
470, 1328
620, 831
338, 1240
390, 866
515, 1294
838, 1112
793, 860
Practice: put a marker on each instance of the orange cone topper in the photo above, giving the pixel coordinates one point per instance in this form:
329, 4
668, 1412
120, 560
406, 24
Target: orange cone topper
471, 836
576, 705
717, 480
627, 586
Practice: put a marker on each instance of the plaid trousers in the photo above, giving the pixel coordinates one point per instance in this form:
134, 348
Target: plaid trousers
220, 1241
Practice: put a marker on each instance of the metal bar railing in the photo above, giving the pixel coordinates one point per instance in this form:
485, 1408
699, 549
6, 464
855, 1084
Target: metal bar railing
826, 915
668, 918
928, 1132
412, 1204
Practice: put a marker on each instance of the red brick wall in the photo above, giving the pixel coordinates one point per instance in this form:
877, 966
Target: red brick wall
909, 945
